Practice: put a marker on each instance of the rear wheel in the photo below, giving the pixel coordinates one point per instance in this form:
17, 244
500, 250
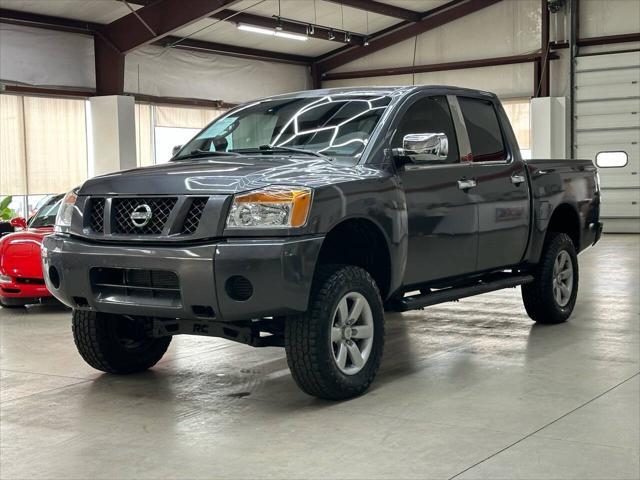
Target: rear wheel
115, 343
550, 298
335, 349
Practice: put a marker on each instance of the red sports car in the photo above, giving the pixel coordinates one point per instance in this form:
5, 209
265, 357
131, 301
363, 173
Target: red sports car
21, 280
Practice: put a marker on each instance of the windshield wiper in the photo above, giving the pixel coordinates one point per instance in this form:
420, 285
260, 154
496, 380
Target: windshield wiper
204, 153
269, 148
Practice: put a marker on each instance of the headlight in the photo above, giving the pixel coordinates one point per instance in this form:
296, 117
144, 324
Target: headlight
272, 207
65, 212
5, 279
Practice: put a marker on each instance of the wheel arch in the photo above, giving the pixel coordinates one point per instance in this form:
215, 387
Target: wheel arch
360, 241
565, 219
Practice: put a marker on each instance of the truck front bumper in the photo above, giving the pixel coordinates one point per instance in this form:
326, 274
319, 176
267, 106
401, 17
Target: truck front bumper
279, 272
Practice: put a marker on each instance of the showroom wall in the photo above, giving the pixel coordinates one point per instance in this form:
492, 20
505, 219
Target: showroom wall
36, 56
49, 58
31, 161
503, 29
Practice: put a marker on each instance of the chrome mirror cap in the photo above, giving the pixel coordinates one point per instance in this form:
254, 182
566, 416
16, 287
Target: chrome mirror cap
424, 147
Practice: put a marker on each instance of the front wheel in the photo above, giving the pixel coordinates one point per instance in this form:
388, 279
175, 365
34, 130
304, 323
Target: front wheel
551, 296
335, 349
115, 343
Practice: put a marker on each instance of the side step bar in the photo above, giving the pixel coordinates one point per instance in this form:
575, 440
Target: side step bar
451, 294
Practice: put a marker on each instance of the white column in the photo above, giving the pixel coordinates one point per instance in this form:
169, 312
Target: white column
549, 128
113, 134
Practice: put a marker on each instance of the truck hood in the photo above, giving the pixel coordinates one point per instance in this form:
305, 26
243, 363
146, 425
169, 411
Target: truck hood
225, 175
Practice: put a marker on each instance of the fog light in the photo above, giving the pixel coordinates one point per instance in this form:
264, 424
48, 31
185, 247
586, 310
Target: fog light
239, 288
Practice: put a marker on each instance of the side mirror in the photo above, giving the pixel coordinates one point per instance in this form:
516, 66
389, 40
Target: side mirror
18, 222
175, 150
423, 147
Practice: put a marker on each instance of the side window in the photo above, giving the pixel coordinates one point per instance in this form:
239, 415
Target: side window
429, 115
483, 128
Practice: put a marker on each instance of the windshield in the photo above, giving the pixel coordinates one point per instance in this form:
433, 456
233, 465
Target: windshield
332, 125
46, 216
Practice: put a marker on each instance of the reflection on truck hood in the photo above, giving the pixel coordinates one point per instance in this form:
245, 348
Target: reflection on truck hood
225, 175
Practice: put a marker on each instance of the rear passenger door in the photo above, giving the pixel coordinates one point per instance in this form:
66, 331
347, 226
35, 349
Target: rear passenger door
501, 191
442, 217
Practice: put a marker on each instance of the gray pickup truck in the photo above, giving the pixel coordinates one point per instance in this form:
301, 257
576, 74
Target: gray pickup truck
297, 220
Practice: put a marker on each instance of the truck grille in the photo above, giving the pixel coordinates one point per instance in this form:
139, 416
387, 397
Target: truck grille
128, 285
122, 208
186, 220
192, 220
97, 215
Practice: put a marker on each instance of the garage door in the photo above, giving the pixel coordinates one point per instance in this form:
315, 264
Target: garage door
607, 131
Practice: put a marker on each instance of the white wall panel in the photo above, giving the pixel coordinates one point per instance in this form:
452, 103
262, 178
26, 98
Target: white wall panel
610, 17
506, 28
600, 62
40, 57
507, 81
46, 57
607, 119
626, 105
178, 73
503, 29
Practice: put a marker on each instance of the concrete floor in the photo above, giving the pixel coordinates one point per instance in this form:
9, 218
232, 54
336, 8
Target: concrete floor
467, 390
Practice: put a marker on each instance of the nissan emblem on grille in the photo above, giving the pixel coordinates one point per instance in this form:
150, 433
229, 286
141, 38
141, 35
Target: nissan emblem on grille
141, 215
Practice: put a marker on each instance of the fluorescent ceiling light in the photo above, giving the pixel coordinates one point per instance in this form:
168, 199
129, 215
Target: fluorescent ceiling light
254, 29
273, 33
292, 36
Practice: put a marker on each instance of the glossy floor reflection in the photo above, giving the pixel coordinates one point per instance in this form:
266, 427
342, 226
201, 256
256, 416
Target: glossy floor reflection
467, 390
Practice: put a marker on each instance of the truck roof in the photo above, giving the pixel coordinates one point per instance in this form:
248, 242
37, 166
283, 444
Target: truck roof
396, 90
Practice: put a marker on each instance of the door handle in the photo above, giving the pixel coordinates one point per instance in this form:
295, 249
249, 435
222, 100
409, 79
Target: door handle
466, 183
517, 179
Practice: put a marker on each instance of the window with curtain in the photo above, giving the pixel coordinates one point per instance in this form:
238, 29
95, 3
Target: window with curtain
43, 144
177, 125
519, 113
13, 180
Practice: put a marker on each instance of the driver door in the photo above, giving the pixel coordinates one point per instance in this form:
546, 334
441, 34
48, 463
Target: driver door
442, 217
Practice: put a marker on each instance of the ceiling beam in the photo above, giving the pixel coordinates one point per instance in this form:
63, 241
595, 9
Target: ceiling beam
233, 50
433, 19
438, 67
389, 29
542, 87
319, 32
381, 9
139, 97
88, 28
607, 39
29, 19
157, 20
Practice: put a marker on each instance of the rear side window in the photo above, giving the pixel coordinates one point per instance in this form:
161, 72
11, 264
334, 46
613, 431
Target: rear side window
483, 128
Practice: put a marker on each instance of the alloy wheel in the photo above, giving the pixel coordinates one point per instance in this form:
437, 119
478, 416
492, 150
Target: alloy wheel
352, 333
562, 278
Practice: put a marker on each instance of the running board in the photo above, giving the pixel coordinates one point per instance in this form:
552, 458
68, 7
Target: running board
452, 294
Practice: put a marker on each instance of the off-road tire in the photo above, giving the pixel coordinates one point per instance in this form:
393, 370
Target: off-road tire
307, 336
97, 341
537, 296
